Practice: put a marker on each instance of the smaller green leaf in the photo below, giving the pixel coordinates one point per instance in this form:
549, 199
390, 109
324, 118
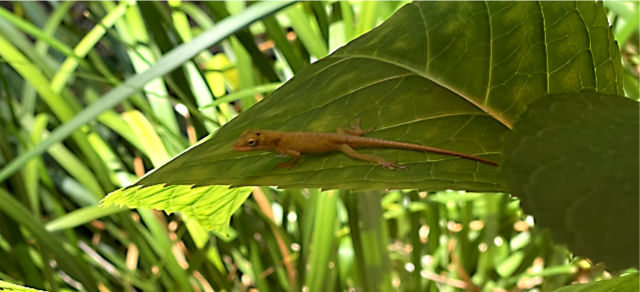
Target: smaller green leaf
211, 206
573, 160
627, 282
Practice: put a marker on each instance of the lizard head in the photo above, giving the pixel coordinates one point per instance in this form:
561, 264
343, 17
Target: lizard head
252, 140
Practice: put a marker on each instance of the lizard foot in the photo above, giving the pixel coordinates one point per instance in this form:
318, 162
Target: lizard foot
355, 128
391, 165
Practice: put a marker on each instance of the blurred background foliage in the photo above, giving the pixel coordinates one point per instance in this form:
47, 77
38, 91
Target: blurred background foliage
53, 236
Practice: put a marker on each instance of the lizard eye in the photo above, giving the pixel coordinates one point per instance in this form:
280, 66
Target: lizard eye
252, 142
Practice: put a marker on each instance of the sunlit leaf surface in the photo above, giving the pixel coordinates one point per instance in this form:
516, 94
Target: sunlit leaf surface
211, 206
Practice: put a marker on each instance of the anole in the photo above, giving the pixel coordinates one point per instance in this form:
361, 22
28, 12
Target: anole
294, 144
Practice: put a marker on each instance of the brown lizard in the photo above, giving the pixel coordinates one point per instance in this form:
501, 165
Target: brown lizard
293, 144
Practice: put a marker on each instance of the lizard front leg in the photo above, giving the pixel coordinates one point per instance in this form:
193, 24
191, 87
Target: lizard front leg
346, 149
355, 129
289, 152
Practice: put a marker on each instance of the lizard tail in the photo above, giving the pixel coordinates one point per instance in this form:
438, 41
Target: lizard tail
363, 142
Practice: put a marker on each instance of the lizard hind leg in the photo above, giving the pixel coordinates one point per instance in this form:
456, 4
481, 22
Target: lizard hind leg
354, 130
349, 151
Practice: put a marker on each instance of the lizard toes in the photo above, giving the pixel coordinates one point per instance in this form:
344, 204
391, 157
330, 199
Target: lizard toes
398, 166
369, 130
391, 165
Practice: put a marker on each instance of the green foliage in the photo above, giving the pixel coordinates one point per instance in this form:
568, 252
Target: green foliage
70, 263
628, 282
405, 95
8, 287
169, 62
573, 161
95, 94
625, 16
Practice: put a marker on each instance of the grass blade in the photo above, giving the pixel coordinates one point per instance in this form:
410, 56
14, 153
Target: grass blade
166, 64
67, 261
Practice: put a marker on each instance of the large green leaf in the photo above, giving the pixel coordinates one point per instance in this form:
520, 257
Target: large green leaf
452, 75
573, 161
